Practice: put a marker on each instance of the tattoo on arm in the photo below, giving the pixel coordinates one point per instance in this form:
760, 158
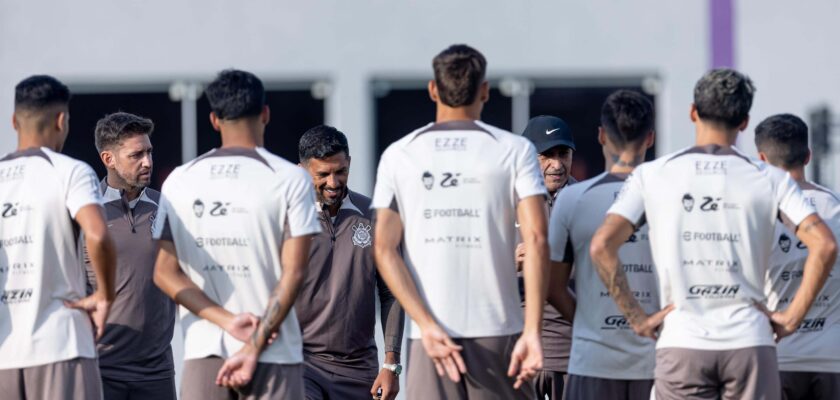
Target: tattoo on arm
269, 322
619, 289
813, 224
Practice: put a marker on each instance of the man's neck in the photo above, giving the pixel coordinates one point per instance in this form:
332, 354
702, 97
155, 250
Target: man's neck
798, 174
466, 113
247, 133
625, 162
28, 140
713, 134
118, 183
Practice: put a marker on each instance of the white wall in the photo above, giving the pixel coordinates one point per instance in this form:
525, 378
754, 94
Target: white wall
99, 41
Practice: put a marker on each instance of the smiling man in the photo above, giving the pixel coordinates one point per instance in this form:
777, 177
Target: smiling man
135, 357
336, 306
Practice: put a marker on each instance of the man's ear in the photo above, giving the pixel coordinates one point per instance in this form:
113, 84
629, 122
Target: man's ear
763, 157
265, 115
650, 139
743, 125
15, 122
484, 92
602, 136
692, 113
807, 157
107, 159
62, 121
214, 120
433, 91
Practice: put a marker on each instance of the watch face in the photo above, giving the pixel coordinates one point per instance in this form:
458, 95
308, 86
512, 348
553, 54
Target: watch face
398, 370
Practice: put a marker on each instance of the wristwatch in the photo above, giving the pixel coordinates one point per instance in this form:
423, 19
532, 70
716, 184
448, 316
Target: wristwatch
395, 368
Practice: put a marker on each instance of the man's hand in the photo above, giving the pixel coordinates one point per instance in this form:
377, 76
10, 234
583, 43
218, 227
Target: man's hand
782, 323
389, 384
444, 352
649, 326
526, 359
242, 326
97, 307
238, 370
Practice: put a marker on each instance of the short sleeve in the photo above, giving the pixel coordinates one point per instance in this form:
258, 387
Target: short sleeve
558, 227
630, 201
528, 180
792, 202
301, 211
385, 191
82, 188
162, 227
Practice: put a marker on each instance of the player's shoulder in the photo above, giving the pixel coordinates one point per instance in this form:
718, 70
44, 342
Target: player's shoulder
60, 161
823, 195
505, 137
278, 164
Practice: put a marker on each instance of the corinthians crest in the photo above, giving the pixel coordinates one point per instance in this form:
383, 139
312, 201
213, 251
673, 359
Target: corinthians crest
361, 235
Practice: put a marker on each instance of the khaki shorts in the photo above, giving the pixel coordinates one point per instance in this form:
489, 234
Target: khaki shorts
270, 381
748, 373
76, 379
487, 361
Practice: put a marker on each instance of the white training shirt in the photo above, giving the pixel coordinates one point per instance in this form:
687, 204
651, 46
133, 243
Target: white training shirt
227, 211
603, 344
712, 213
815, 346
39, 267
456, 186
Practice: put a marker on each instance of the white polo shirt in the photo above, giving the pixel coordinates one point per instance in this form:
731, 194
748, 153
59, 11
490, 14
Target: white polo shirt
712, 213
815, 346
39, 266
456, 186
603, 344
226, 212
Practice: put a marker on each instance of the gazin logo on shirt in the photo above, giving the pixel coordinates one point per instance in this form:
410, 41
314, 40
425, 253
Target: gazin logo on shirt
361, 235
811, 325
613, 322
16, 296
713, 291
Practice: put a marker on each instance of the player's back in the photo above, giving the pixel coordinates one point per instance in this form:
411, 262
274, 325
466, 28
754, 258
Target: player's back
603, 344
813, 347
42, 191
711, 212
227, 212
456, 186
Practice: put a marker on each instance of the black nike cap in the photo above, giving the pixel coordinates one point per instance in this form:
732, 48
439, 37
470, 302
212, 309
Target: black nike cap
546, 132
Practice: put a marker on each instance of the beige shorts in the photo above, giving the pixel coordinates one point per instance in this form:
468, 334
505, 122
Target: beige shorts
76, 379
270, 381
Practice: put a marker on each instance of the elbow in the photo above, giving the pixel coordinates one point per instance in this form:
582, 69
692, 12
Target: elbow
597, 248
829, 251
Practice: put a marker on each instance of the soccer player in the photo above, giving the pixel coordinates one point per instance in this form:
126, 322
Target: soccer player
712, 253
555, 147
809, 359
221, 226
452, 190
336, 306
46, 340
608, 361
135, 358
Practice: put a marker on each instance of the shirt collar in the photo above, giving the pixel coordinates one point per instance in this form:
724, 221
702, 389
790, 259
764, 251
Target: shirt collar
346, 204
113, 194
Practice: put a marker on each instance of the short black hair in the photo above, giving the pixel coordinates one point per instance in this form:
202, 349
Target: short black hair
112, 129
236, 94
783, 138
627, 116
320, 142
459, 72
724, 96
39, 92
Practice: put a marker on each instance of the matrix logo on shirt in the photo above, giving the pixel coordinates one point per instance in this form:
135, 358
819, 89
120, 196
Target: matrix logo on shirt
718, 265
811, 325
713, 291
16, 296
12, 173
361, 235
451, 144
615, 322
224, 171
459, 242
238, 271
710, 167
22, 268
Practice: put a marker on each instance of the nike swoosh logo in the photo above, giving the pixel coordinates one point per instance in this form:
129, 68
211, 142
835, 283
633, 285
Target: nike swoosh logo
548, 132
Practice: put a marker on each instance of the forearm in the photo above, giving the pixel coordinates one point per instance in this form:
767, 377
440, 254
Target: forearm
392, 318
180, 288
279, 304
103, 259
609, 270
815, 272
394, 272
559, 295
535, 271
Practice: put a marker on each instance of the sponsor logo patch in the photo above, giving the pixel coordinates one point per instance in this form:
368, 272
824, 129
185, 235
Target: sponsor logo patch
713, 291
16, 296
